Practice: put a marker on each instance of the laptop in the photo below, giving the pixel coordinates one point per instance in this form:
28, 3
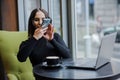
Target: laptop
104, 55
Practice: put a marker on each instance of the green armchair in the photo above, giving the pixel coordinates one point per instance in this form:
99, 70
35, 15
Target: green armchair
9, 45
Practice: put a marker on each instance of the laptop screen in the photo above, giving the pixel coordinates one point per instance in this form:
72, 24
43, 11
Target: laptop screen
106, 49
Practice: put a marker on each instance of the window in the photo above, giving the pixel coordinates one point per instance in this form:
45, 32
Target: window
24, 9
58, 11
91, 17
54, 10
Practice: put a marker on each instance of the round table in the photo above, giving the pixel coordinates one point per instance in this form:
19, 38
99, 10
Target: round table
110, 71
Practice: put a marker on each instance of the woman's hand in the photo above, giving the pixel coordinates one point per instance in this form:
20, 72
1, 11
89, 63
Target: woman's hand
49, 35
39, 32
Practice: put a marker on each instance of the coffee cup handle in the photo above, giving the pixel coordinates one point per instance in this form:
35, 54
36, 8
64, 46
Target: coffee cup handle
44, 60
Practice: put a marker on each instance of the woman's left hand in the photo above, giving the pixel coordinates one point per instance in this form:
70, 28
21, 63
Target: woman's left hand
49, 35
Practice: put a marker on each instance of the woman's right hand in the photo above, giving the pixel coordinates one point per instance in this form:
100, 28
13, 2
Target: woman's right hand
39, 32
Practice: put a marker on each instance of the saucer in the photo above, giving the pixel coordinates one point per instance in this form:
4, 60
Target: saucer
51, 66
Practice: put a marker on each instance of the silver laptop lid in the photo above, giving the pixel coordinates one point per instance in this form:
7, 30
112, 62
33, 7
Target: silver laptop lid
106, 49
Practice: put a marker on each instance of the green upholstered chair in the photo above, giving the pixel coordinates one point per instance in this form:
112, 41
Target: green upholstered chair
9, 45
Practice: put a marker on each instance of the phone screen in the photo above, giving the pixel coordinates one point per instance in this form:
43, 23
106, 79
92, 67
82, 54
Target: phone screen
46, 22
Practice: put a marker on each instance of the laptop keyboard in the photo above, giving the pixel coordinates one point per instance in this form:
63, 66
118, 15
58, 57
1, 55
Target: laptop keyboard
84, 62
90, 63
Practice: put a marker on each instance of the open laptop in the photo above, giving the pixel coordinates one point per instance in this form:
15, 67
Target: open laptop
104, 55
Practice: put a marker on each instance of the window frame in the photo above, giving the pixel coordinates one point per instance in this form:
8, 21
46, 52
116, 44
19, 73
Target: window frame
72, 27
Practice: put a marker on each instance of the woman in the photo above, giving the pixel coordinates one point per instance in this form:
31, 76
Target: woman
41, 42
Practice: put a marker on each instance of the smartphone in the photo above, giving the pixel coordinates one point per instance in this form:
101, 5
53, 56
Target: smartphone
46, 22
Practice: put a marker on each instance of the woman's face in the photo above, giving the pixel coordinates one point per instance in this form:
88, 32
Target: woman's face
38, 19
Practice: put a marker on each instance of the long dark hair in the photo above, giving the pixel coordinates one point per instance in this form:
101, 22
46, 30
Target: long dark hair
31, 27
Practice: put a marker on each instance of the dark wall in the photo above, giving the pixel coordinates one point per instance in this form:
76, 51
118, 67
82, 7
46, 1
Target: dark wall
8, 15
0, 16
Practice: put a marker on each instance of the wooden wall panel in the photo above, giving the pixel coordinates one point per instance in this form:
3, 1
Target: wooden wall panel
9, 15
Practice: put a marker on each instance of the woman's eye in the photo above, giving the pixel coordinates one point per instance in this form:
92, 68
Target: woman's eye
36, 19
